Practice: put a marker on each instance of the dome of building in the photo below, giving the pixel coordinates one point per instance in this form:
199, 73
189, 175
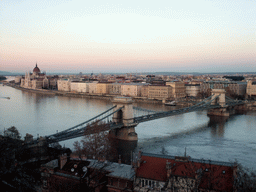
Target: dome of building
36, 69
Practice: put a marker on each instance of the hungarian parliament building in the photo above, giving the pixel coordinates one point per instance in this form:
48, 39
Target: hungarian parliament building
37, 80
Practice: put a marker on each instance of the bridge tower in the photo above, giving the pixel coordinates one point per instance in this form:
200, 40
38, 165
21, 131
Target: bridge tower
125, 138
125, 116
219, 98
219, 94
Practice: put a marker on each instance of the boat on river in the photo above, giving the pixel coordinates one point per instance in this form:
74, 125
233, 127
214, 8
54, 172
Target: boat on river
171, 103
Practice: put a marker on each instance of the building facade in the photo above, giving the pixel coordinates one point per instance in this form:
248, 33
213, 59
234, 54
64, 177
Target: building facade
79, 87
115, 89
251, 88
37, 80
178, 89
159, 92
64, 85
131, 89
192, 90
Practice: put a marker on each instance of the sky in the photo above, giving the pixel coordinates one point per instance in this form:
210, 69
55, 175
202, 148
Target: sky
128, 36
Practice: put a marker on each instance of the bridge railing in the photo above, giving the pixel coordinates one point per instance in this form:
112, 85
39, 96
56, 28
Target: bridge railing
205, 104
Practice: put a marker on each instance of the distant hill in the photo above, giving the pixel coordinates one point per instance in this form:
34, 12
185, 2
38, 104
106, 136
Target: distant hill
7, 73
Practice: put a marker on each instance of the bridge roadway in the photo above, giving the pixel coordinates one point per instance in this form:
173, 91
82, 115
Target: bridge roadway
79, 130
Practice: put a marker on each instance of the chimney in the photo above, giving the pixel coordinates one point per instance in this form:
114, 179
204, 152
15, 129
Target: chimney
139, 159
168, 168
63, 160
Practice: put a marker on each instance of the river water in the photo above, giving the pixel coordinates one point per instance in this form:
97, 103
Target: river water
204, 138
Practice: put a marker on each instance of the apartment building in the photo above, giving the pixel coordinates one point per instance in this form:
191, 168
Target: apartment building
251, 88
232, 87
92, 87
192, 90
64, 85
144, 91
237, 88
159, 92
79, 87
178, 89
115, 89
131, 89
102, 88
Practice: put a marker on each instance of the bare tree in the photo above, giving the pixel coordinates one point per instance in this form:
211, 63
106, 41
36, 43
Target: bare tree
12, 132
96, 142
245, 179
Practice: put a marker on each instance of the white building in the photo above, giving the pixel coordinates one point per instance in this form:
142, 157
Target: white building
64, 85
131, 89
92, 87
79, 87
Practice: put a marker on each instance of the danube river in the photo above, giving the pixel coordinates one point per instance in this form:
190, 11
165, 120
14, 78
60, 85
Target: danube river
216, 139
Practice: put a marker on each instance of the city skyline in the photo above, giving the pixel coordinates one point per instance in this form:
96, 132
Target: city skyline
113, 36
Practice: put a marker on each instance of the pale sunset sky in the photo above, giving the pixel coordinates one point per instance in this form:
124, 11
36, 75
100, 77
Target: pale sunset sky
128, 36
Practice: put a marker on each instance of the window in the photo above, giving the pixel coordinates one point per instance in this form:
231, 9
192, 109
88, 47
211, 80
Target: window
142, 183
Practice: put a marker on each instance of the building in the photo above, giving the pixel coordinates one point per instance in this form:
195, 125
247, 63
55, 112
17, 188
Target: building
237, 88
178, 89
192, 90
74, 174
232, 88
251, 88
37, 80
115, 89
103, 88
79, 87
159, 92
93, 87
64, 85
171, 173
131, 89
144, 91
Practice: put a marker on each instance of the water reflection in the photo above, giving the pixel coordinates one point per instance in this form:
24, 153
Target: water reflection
217, 125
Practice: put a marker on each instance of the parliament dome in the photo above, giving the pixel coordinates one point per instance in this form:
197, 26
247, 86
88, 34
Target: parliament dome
36, 69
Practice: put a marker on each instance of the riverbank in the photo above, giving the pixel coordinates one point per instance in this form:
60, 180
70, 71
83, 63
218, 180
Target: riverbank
82, 95
250, 106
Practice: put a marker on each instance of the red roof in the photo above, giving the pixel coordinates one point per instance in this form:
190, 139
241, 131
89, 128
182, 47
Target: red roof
152, 168
214, 175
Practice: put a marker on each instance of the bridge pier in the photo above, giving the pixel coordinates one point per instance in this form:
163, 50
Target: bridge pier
219, 98
126, 138
125, 116
223, 112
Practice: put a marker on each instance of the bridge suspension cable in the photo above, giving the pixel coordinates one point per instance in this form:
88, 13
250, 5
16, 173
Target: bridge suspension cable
86, 122
77, 132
